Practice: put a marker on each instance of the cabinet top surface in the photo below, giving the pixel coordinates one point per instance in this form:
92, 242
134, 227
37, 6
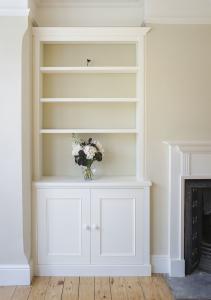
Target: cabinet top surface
123, 182
95, 29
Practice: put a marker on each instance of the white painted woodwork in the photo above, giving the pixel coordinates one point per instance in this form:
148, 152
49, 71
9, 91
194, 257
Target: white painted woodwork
94, 226
100, 182
63, 226
187, 160
76, 130
110, 70
89, 34
117, 230
105, 80
99, 227
85, 100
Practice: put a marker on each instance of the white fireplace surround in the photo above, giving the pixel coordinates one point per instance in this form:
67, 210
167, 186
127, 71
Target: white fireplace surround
187, 160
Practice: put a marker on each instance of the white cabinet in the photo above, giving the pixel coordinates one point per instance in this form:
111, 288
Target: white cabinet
92, 231
63, 234
117, 230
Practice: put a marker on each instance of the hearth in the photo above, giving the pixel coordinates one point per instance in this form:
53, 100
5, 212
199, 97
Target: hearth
197, 225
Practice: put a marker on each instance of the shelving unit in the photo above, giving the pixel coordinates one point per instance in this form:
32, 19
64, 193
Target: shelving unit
90, 81
109, 88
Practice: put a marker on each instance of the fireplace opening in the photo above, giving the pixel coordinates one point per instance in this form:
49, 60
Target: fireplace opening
197, 225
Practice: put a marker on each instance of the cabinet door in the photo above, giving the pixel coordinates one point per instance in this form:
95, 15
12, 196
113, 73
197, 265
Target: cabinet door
63, 220
117, 226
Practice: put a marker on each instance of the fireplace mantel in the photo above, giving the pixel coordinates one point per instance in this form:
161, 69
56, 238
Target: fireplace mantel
187, 160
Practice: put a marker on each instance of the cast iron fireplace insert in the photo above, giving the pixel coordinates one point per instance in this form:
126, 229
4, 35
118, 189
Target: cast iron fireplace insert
197, 225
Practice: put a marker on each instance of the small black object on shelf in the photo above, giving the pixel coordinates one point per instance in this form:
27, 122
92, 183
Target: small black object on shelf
88, 60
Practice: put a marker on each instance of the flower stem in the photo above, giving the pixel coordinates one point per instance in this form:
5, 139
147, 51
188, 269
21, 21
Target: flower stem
88, 175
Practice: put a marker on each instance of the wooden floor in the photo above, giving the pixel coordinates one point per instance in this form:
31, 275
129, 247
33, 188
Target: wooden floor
90, 288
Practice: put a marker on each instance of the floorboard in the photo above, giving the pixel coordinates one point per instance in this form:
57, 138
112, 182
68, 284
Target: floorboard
134, 288
71, 288
118, 288
6, 292
21, 293
55, 288
90, 288
39, 288
86, 288
149, 288
102, 288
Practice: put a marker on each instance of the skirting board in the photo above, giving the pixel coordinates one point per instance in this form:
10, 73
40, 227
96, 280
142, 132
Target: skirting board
163, 264
177, 268
22, 274
91, 270
15, 274
160, 264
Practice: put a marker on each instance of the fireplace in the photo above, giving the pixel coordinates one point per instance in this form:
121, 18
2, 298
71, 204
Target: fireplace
197, 225
188, 160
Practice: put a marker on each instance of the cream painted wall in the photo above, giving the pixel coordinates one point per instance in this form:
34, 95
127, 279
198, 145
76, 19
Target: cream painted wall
27, 136
91, 16
126, 13
13, 4
14, 150
178, 106
159, 10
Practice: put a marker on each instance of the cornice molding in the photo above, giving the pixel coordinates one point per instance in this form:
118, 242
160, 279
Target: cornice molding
188, 143
182, 21
138, 3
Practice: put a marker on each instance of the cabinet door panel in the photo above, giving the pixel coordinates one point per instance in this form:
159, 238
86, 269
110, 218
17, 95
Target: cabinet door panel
62, 234
117, 231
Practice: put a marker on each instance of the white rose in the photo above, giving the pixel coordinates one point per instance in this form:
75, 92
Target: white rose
90, 151
76, 149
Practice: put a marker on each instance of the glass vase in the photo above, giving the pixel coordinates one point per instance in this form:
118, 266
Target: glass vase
88, 174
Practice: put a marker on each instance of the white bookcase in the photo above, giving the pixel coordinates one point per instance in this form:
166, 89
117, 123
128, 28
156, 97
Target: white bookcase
90, 81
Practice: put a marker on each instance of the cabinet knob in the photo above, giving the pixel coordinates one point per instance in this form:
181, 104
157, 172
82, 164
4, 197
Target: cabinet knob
86, 227
95, 227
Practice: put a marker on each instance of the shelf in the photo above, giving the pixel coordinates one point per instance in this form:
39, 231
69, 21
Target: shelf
53, 131
56, 70
75, 100
102, 100
98, 181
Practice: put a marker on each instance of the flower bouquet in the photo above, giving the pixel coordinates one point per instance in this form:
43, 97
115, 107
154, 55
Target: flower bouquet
85, 153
